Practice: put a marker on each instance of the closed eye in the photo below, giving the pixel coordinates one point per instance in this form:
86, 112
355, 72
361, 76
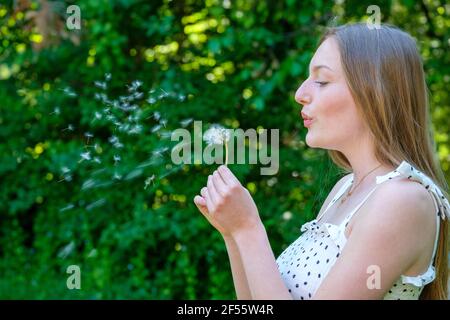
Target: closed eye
321, 83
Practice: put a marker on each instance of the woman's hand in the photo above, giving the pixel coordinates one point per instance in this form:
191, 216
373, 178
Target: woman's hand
226, 204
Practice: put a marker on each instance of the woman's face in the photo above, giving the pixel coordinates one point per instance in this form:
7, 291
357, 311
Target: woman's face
326, 99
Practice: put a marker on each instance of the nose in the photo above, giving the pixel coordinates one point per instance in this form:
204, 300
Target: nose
301, 95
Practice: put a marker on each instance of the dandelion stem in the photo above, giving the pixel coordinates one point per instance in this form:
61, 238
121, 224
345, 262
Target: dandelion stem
226, 152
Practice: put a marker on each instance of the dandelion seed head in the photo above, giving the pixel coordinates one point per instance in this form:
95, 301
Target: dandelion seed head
216, 135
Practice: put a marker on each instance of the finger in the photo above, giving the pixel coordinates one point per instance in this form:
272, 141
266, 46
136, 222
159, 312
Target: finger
205, 194
228, 176
215, 196
219, 184
200, 201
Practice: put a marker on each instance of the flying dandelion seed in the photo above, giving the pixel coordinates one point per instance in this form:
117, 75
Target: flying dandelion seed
134, 174
69, 92
165, 134
156, 128
181, 98
157, 115
88, 135
67, 177
97, 115
218, 135
116, 159
96, 204
67, 250
138, 95
184, 123
117, 176
107, 76
164, 94
56, 111
70, 127
68, 207
88, 184
97, 160
65, 170
136, 129
149, 181
151, 100
101, 85
134, 86
85, 156
163, 122
169, 172
159, 152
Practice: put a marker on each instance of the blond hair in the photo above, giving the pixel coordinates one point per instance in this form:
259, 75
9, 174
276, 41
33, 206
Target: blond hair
384, 72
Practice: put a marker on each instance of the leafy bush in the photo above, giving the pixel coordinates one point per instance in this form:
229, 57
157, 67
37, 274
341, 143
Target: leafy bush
130, 224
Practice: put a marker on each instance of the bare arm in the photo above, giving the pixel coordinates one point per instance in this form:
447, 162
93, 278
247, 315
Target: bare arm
258, 260
237, 270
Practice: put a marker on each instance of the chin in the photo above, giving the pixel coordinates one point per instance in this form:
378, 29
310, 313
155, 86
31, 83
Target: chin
311, 141
314, 142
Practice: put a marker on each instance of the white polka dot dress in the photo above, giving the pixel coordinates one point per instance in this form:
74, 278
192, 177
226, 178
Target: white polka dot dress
307, 261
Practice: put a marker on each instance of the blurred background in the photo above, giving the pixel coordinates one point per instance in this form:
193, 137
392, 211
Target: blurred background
85, 120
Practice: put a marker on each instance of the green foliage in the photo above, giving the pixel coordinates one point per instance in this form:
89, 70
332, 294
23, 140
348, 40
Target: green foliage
237, 62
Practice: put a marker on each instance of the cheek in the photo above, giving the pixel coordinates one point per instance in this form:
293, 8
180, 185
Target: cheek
337, 117
335, 106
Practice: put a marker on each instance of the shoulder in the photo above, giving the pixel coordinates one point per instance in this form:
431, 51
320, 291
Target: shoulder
399, 209
402, 200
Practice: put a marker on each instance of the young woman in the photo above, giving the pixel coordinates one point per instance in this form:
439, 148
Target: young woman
381, 232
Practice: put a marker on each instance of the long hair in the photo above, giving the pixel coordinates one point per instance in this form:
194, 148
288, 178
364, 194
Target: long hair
384, 72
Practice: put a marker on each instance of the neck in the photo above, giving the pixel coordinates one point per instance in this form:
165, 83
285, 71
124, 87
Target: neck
362, 160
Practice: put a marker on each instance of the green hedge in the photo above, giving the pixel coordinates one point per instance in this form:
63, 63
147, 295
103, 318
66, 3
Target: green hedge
237, 63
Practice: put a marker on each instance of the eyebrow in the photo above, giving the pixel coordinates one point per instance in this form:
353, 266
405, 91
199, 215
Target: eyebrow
315, 68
